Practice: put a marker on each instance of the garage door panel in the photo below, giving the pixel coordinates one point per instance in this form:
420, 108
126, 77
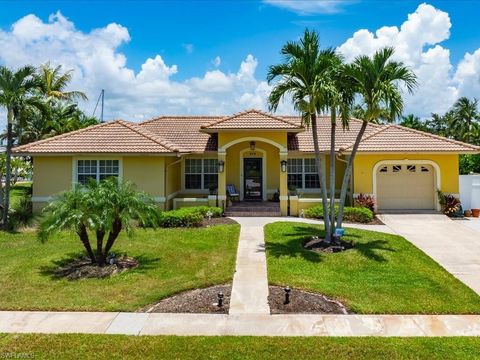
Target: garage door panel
405, 187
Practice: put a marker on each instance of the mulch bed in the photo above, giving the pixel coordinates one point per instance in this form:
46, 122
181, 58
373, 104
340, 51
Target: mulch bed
82, 268
217, 221
319, 245
302, 302
194, 301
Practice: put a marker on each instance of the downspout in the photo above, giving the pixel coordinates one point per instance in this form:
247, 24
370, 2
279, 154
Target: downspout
165, 183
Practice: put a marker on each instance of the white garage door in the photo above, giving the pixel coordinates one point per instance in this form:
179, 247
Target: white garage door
405, 187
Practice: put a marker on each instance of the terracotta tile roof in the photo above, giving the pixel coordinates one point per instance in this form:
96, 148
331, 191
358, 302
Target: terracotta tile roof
112, 137
168, 134
252, 119
184, 131
396, 138
304, 141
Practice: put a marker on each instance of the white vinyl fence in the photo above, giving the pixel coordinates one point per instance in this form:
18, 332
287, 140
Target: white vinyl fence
470, 191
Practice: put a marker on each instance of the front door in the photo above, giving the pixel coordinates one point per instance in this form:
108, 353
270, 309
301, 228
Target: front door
252, 174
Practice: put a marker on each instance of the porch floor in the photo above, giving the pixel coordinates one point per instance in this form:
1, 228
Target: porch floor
253, 208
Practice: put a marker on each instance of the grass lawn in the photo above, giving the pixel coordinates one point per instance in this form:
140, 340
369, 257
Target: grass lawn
382, 274
171, 260
19, 191
75, 346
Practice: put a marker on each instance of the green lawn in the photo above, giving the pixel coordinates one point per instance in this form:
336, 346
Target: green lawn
75, 346
19, 191
171, 260
382, 274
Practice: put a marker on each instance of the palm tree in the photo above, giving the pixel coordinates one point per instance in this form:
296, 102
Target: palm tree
303, 74
465, 114
16, 89
70, 211
413, 122
377, 81
105, 208
52, 84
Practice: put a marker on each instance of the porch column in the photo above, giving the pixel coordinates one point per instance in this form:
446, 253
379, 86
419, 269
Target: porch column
283, 186
222, 181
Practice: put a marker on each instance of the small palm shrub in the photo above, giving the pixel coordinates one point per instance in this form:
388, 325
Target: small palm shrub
104, 209
351, 214
449, 203
367, 201
188, 216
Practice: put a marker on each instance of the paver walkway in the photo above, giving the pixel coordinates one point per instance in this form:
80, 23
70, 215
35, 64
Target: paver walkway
454, 246
249, 313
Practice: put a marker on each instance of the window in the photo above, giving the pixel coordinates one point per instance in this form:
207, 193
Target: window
96, 170
295, 173
411, 168
302, 173
210, 173
311, 174
397, 168
193, 173
424, 169
201, 173
384, 169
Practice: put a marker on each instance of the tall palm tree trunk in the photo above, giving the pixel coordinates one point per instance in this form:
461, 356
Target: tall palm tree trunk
322, 178
8, 170
332, 170
347, 175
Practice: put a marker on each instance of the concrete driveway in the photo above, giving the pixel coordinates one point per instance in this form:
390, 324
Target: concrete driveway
453, 245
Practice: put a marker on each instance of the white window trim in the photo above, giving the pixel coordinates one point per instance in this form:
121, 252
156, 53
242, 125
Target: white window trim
76, 158
303, 188
184, 174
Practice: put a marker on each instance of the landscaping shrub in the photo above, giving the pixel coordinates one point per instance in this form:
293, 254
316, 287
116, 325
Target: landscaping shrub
367, 201
188, 216
449, 203
21, 213
352, 214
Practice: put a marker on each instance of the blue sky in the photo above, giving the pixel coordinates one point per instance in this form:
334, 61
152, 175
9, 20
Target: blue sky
191, 34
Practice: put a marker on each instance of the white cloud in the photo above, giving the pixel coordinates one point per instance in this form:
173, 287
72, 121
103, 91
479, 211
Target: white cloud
188, 48
417, 43
217, 61
310, 7
98, 64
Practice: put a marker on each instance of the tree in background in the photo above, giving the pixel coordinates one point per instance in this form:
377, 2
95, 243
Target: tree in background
413, 122
17, 93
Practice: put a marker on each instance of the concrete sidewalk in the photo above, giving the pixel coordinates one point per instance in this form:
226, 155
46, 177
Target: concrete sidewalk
237, 325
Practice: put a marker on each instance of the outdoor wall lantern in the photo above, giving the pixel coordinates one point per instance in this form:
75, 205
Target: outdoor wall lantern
221, 166
252, 145
283, 164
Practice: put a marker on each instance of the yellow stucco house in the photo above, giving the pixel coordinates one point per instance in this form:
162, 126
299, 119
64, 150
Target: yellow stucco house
179, 160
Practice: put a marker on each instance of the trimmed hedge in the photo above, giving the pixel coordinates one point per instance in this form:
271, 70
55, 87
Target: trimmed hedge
188, 216
350, 214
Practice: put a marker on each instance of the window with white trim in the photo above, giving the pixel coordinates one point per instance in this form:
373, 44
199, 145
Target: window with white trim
311, 174
302, 174
201, 173
295, 173
96, 170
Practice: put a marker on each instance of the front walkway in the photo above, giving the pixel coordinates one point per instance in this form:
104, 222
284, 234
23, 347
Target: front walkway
249, 312
453, 245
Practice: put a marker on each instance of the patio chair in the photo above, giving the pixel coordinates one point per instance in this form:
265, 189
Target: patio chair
232, 192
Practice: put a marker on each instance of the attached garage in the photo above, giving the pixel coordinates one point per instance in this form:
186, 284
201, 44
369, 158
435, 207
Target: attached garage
404, 186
